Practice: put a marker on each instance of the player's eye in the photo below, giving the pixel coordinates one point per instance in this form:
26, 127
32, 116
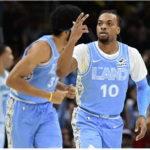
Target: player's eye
99, 24
109, 24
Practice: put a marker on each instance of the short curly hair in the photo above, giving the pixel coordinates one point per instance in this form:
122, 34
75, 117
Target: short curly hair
61, 18
112, 12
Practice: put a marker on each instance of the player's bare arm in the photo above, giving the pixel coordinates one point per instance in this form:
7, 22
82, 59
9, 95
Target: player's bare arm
66, 63
26, 66
70, 88
141, 123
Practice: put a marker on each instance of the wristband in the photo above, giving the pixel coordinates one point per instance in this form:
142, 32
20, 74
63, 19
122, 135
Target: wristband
51, 94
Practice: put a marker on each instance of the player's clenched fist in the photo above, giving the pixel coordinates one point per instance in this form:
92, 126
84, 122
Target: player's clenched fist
71, 91
58, 96
78, 29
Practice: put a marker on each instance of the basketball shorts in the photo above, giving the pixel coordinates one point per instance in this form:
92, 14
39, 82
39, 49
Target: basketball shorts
93, 131
30, 125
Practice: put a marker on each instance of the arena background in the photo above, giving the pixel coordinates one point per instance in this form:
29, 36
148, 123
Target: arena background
25, 21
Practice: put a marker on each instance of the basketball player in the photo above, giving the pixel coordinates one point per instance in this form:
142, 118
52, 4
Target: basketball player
31, 118
104, 69
6, 61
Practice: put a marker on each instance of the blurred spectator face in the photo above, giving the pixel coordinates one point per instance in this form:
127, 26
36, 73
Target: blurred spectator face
132, 31
107, 28
7, 58
66, 138
142, 34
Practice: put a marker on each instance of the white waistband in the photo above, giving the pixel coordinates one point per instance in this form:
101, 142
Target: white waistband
101, 116
22, 100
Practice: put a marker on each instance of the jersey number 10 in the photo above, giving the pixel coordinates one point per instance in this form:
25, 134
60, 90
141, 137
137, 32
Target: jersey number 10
104, 88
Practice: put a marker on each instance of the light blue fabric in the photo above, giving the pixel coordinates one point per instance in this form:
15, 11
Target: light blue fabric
32, 124
4, 91
43, 76
102, 88
93, 132
70, 79
143, 96
35, 124
61, 113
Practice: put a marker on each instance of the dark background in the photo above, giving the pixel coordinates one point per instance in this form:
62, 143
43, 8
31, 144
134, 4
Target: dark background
25, 21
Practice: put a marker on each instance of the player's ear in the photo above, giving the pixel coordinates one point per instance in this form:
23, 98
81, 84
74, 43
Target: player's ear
118, 30
67, 33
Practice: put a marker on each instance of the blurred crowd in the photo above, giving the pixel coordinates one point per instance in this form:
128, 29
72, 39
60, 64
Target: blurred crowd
24, 22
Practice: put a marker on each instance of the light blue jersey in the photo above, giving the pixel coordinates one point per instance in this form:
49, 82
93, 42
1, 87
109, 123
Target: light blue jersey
102, 88
43, 76
4, 91
32, 121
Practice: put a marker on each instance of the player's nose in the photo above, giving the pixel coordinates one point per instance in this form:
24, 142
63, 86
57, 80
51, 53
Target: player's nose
103, 26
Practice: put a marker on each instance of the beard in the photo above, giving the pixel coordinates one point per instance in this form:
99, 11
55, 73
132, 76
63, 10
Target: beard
104, 41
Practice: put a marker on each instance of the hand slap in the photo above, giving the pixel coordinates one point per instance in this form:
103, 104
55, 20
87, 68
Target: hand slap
71, 91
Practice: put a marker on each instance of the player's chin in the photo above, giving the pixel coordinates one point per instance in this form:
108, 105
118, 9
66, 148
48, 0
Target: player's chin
103, 39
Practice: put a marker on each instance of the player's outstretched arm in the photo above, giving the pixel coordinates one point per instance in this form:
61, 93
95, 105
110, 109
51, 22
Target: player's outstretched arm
66, 63
138, 74
143, 100
25, 66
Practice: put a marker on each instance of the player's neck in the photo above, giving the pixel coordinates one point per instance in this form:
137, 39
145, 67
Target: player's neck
110, 48
60, 42
2, 69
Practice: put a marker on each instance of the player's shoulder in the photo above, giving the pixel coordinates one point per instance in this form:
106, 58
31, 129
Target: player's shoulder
92, 43
40, 47
80, 47
131, 50
84, 46
133, 53
42, 44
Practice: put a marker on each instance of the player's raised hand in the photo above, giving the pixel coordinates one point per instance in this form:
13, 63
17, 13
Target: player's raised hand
140, 123
78, 29
58, 96
71, 91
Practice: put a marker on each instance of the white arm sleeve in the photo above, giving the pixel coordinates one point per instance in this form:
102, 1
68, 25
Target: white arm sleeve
81, 54
138, 69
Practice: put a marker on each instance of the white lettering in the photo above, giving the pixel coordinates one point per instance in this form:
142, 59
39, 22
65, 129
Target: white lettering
110, 74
